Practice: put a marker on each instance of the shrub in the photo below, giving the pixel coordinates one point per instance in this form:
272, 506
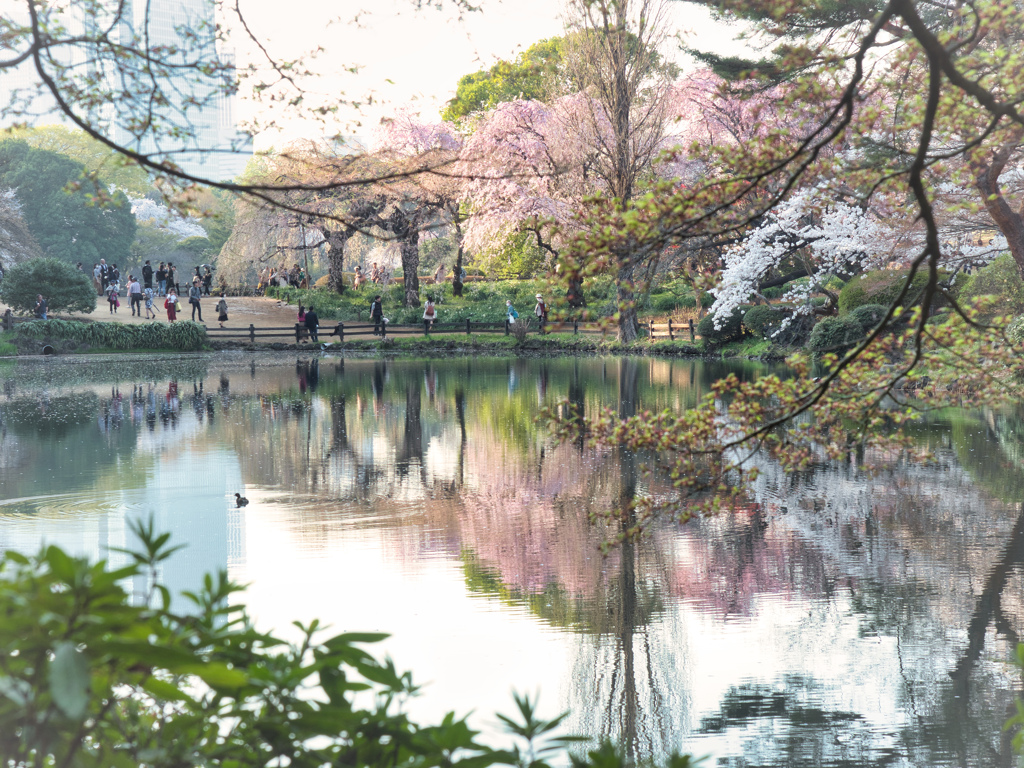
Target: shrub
731, 329
1000, 279
775, 292
881, 287
1015, 330
63, 286
762, 319
834, 334
665, 302
868, 316
185, 336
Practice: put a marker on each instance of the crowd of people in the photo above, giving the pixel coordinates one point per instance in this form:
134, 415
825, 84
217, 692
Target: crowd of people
281, 277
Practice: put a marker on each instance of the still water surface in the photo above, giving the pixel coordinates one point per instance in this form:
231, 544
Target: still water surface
838, 619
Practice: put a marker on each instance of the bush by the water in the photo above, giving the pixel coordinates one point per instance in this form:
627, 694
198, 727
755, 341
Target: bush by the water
763, 319
185, 336
881, 287
731, 329
868, 316
65, 288
1001, 280
835, 334
1015, 330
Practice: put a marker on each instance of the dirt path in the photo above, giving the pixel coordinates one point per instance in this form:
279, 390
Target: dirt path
260, 312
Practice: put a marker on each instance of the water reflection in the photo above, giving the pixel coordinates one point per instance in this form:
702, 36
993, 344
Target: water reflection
836, 619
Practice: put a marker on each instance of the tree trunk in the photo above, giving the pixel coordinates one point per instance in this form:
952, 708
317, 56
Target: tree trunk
626, 299
457, 275
335, 259
986, 179
410, 248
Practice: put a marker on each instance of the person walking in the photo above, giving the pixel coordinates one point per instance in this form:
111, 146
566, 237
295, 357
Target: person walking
207, 280
429, 315
222, 310
135, 296
172, 276
313, 324
114, 276
376, 314
171, 305
195, 293
541, 311
357, 279
112, 297
147, 297
439, 274
147, 275
104, 276
510, 312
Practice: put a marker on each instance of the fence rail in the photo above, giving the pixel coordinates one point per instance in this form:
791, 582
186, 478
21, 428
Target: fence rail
300, 333
672, 331
343, 330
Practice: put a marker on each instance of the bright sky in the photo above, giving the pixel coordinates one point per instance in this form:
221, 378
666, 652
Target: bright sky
415, 57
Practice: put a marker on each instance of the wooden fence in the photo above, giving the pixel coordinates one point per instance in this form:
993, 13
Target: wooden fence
341, 331
672, 331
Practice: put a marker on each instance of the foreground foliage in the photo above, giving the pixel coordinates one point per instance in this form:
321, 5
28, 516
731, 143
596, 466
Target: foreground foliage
97, 675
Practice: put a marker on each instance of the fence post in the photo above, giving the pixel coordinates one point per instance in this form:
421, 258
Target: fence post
693, 338
671, 337
252, 333
467, 326
575, 327
650, 330
298, 333
506, 326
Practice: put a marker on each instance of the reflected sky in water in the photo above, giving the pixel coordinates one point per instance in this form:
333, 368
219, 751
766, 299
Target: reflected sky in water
834, 619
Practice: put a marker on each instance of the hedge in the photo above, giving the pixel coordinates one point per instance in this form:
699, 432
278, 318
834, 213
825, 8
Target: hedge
882, 287
868, 316
763, 319
1001, 279
731, 329
834, 334
185, 336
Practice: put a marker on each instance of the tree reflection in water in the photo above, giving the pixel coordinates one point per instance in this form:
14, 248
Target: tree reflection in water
905, 586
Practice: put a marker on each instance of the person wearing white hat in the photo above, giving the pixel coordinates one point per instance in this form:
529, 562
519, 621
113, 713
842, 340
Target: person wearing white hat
541, 311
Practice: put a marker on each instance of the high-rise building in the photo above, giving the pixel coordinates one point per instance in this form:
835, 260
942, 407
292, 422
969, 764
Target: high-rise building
177, 107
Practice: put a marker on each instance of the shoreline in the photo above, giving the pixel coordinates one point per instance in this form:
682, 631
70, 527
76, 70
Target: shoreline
445, 346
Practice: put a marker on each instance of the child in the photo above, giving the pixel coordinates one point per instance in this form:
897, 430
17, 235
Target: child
222, 310
148, 295
112, 294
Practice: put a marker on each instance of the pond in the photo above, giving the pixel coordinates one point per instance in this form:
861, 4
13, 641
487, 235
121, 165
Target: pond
836, 619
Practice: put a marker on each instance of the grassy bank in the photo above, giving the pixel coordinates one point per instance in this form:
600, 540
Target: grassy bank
481, 302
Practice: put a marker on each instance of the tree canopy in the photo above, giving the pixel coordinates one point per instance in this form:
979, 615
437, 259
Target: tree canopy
533, 74
70, 217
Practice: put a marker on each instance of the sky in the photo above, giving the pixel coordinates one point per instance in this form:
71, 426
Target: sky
413, 59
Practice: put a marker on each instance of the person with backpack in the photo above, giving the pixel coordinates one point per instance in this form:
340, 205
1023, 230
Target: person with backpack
147, 275
541, 311
376, 314
313, 324
429, 315
222, 310
195, 293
